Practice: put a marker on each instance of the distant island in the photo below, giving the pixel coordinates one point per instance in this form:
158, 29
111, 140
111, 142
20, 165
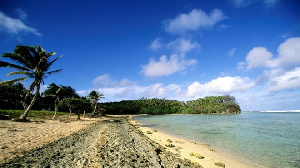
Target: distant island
208, 105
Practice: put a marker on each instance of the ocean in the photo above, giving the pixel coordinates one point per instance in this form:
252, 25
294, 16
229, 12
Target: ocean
260, 139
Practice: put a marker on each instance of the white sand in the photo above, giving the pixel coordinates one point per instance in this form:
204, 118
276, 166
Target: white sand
16, 137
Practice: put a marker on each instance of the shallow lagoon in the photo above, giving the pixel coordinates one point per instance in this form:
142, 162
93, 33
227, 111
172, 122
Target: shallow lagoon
262, 139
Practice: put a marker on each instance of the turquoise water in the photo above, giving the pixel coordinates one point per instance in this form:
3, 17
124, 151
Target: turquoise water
260, 139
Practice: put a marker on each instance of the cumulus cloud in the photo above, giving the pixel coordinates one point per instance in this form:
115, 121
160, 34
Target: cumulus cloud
116, 90
258, 57
193, 21
179, 45
288, 56
156, 44
183, 45
15, 26
284, 81
165, 66
107, 81
221, 85
289, 53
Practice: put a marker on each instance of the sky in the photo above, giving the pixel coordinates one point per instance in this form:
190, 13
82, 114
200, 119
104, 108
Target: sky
173, 49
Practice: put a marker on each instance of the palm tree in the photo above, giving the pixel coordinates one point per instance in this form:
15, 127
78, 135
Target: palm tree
33, 62
94, 97
55, 91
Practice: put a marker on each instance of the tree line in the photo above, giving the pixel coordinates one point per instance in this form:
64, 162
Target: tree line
65, 99
208, 105
54, 98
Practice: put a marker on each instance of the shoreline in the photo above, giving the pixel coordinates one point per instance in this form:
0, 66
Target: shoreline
185, 148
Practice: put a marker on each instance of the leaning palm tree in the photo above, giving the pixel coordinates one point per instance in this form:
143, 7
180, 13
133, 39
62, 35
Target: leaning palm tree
33, 62
94, 97
56, 92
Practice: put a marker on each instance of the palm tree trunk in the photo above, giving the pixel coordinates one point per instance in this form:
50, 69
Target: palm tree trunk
95, 107
24, 116
70, 112
55, 108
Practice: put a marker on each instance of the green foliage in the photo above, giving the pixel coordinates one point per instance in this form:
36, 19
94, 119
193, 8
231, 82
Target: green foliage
76, 105
12, 96
94, 97
208, 105
213, 105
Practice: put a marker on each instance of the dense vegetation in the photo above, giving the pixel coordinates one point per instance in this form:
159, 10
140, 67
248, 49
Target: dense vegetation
208, 105
12, 97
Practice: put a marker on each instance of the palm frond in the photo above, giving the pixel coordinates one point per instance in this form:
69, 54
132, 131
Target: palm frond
12, 81
25, 55
55, 71
50, 63
20, 73
6, 64
51, 53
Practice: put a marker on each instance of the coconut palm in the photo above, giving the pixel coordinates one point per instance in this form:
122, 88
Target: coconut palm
94, 97
32, 62
55, 91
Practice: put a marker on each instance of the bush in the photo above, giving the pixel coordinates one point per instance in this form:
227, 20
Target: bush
220, 164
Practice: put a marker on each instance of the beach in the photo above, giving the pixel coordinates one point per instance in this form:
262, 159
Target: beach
105, 142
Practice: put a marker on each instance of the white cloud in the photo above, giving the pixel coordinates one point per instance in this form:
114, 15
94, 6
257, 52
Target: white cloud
165, 67
193, 21
15, 26
156, 44
183, 45
258, 57
289, 53
179, 45
157, 90
107, 81
117, 90
288, 56
22, 13
285, 81
267, 75
221, 85
231, 52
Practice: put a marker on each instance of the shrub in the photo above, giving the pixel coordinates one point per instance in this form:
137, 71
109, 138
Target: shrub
220, 164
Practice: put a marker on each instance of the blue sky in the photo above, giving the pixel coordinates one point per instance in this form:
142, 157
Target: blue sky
173, 49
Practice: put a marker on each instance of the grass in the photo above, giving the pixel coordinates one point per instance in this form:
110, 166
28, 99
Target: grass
14, 114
